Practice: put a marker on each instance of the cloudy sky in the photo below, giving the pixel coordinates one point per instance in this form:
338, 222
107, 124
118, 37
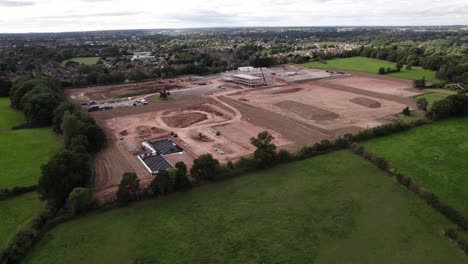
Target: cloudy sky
83, 15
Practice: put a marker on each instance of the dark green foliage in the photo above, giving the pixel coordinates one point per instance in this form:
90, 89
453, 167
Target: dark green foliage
23, 240
421, 83
406, 111
422, 104
5, 86
453, 105
62, 174
81, 124
59, 112
40, 107
265, 154
284, 156
181, 179
205, 168
162, 184
129, 188
79, 201
15, 191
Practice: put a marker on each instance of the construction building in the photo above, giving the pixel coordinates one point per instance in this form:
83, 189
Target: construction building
247, 80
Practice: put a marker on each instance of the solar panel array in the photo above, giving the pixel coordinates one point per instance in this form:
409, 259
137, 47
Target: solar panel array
156, 162
165, 146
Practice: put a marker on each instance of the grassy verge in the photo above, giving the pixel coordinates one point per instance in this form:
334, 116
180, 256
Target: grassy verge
23, 152
362, 64
335, 208
431, 98
434, 156
8, 116
15, 213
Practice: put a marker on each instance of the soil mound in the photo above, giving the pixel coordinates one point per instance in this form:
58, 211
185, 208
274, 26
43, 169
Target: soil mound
366, 102
293, 90
184, 120
307, 111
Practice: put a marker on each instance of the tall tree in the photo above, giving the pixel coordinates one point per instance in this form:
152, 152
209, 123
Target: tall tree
265, 154
129, 188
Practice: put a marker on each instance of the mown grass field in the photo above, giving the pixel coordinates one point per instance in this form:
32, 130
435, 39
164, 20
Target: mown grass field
368, 65
83, 60
435, 156
8, 116
431, 98
22, 153
336, 208
15, 213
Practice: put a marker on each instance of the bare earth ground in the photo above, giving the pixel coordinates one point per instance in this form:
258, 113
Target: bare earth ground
297, 114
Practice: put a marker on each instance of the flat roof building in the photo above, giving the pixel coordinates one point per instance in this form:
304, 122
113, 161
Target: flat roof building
247, 80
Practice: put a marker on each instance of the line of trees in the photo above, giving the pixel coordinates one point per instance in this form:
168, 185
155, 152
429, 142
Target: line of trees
42, 100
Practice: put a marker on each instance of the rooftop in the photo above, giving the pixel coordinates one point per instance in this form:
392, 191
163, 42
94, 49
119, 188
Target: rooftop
245, 76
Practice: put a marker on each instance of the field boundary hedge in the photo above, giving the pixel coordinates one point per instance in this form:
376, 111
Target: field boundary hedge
452, 214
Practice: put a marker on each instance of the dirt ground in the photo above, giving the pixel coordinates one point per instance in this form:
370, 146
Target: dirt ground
297, 114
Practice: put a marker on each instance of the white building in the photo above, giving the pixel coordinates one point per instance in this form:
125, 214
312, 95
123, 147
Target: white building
247, 80
142, 56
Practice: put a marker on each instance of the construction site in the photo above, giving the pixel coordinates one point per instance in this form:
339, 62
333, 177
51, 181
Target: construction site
219, 114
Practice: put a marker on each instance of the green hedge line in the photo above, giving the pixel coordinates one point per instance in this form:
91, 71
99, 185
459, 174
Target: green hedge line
430, 198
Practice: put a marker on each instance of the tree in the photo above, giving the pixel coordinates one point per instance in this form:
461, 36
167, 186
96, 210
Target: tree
406, 111
205, 168
422, 104
5, 86
59, 114
421, 83
162, 184
79, 201
129, 188
440, 109
181, 179
62, 174
381, 70
265, 154
399, 66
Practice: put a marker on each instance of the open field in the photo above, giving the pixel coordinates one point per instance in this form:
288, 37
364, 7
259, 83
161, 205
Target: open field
362, 64
431, 98
313, 211
22, 154
15, 213
8, 116
83, 60
434, 156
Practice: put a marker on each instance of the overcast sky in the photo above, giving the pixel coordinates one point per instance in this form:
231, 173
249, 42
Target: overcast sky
83, 15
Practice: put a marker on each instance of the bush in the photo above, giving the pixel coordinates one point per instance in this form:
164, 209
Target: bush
15, 191
162, 184
205, 168
79, 201
129, 188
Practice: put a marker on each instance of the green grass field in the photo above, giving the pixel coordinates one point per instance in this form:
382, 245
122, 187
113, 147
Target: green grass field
15, 213
22, 153
83, 60
431, 98
8, 116
362, 64
435, 156
336, 208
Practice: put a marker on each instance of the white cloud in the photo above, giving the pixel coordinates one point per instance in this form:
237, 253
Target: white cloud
79, 15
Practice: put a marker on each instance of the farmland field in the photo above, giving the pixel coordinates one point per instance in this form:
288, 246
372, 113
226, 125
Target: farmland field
22, 154
8, 116
431, 98
434, 156
83, 60
15, 213
336, 208
362, 64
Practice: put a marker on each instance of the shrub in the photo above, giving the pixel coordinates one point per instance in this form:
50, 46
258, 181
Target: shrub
129, 188
79, 201
205, 168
